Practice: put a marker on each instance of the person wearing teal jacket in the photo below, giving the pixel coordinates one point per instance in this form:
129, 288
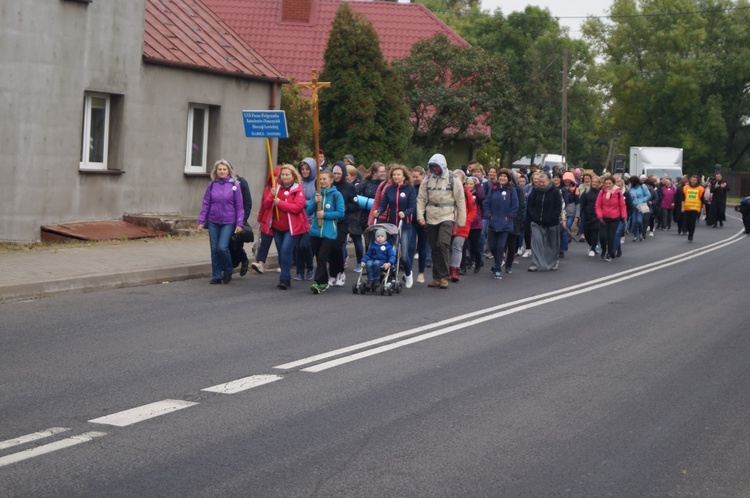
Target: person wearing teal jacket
323, 228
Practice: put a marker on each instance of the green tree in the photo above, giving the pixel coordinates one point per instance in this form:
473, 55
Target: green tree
363, 112
532, 42
677, 74
298, 110
450, 88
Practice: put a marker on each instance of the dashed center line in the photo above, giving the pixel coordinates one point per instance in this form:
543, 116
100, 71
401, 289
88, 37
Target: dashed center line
49, 448
32, 437
141, 413
243, 384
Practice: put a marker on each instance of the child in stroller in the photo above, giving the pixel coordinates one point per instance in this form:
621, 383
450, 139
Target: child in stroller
380, 261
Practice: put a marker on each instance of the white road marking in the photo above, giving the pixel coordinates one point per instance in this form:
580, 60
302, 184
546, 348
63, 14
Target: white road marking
587, 287
32, 437
387, 339
243, 384
141, 413
49, 448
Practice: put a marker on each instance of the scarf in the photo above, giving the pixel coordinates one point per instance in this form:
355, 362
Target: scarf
612, 191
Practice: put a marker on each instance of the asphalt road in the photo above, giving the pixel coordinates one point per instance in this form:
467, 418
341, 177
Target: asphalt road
624, 379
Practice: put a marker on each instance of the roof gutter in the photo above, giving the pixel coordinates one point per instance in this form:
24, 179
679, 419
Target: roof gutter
203, 69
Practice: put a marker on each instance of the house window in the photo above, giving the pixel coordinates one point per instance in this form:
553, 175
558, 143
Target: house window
96, 129
197, 139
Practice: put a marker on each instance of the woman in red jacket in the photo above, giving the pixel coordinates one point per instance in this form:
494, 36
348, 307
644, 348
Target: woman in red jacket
610, 209
460, 234
286, 207
264, 222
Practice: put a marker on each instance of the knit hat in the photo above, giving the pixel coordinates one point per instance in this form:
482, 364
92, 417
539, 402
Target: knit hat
350, 158
380, 233
569, 176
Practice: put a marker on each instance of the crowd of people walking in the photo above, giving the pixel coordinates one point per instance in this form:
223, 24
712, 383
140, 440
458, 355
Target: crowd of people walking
449, 221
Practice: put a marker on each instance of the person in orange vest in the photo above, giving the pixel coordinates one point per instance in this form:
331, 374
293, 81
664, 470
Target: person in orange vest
691, 205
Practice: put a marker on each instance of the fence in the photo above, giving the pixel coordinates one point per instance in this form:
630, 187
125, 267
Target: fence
738, 182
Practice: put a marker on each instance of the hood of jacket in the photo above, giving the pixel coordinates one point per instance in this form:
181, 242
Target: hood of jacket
313, 169
439, 159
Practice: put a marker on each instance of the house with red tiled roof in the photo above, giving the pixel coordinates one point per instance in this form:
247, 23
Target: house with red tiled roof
117, 107
293, 34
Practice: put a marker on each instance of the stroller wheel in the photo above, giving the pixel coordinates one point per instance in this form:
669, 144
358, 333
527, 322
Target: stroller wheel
354, 288
390, 293
363, 289
382, 290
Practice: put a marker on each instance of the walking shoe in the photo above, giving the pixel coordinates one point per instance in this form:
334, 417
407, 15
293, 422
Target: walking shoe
582, 239
592, 253
622, 240
341, 279
618, 254
461, 271
299, 276
598, 249
454, 273
243, 267
318, 288
561, 255
635, 239
690, 239
227, 277
420, 278
508, 270
434, 283
284, 284
409, 281
443, 283
278, 269
520, 251
257, 266
533, 268
357, 269
309, 275
527, 254
608, 259
331, 281
215, 281
650, 233
556, 265
488, 255
498, 275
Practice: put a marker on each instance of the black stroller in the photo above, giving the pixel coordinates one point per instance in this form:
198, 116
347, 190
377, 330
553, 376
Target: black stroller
390, 279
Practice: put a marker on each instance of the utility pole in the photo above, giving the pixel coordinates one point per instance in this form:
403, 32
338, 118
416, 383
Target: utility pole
565, 107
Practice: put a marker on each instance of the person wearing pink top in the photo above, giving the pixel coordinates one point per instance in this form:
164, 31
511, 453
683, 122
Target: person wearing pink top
610, 209
667, 204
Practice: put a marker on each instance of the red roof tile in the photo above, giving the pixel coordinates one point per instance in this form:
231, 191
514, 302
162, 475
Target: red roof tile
296, 47
185, 33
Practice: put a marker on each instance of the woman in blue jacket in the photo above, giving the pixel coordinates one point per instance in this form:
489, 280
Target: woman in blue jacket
324, 228
224, 213
640, 194
400, 203
500, 209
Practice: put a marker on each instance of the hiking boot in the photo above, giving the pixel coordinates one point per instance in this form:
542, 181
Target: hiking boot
257, 267
454, 273
443, 283
434, 283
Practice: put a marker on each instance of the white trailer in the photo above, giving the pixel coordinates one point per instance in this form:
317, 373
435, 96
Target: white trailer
656, 161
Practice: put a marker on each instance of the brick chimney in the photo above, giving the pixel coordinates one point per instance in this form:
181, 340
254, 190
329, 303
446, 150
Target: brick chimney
296, 10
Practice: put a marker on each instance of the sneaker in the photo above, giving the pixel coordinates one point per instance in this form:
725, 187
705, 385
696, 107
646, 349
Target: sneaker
533, 268
215, 281
278, 269
618, 254
317, 288
520, 251
598, 250
498, 275
420, 278
443, 283
488, 255
622, 240
527, 254
309, 275
299, 276
284, 284
608, 259
582, 239
555, 266
332, 281
592, 253
409, 281
341, 279
651, 233
508, 270
243, 267
561, 255
434, 283
357, 269
257, 266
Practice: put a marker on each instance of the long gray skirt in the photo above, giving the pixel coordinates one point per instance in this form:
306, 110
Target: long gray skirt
545, 246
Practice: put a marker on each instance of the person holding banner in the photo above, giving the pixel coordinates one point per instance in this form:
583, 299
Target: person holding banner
288, 219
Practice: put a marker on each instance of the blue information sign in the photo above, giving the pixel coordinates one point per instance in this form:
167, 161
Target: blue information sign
265, 124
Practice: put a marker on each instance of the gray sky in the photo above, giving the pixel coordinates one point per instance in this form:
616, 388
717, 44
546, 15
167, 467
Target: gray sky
558, 8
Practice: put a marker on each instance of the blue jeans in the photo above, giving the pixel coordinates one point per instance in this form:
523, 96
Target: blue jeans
637, 224
359, 250
564, 237
418, 245
406, 261
373, 269
618, 236
219, 236
285, 243
304, 254
263, 247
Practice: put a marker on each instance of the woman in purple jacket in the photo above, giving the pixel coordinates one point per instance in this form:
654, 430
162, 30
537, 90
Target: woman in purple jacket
223, 212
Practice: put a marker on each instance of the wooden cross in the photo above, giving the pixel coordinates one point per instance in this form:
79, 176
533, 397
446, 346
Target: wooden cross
315, 85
